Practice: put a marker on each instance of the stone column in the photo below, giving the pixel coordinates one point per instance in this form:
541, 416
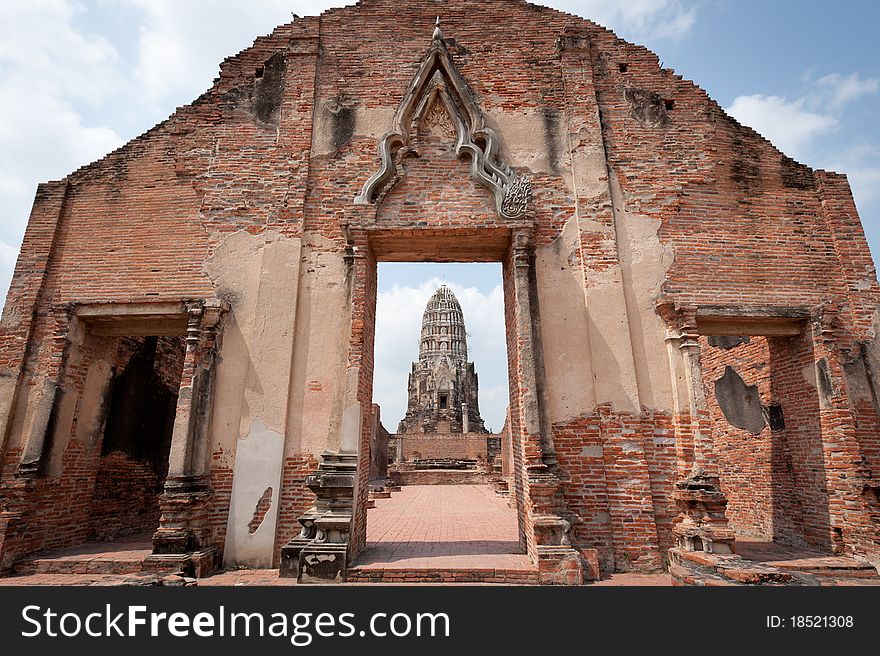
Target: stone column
684, 439
702, 524
558, 562
42, 404
183, 535
320, 553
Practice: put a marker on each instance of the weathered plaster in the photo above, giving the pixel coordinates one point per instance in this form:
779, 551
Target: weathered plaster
872, 357
610, 340
528, 139
8, 385
645, 262
321, 351
234, 269
589, 173
564, 328
40, 403
258, 464
369, 123
253, 381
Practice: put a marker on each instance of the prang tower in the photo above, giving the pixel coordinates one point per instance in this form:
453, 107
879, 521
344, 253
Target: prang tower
443, 384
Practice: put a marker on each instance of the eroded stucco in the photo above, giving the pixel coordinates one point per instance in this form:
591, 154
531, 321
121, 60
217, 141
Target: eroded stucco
565, 328
250, 535
321, 351
259, 275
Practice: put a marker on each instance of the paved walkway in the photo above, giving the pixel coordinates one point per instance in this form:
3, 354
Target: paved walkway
443, 527
120, 556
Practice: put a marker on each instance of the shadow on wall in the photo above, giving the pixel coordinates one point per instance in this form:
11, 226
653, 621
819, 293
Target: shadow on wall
765, 408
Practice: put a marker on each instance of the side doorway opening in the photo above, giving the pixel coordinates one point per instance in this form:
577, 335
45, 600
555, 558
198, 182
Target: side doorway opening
764, 395
106, 457
444, 497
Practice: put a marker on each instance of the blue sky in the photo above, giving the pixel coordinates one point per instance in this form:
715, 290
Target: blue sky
81, 77
404, 289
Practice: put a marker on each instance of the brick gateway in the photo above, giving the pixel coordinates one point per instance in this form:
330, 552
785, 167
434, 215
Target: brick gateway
691, 315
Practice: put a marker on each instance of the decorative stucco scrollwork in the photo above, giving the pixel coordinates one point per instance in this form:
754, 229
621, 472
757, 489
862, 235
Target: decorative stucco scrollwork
438, 80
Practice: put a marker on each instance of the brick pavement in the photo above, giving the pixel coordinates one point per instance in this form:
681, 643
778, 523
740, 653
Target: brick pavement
120, 556
443, 527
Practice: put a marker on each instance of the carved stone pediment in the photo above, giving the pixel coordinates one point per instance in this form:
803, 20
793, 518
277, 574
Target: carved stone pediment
438, 86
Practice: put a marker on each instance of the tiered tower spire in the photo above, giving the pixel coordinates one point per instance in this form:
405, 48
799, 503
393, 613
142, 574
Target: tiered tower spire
443, 386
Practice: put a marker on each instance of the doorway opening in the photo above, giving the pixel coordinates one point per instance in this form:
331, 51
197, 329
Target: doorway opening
107, 454
136, 441
764, 395
443, 496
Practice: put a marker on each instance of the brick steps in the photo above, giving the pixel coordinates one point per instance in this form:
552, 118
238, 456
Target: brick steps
487, 576
698, 568
123, 556
77, 565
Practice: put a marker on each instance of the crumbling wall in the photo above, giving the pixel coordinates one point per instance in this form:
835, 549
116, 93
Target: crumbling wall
467, 446
90, 488
137, 437
644, 190
765, 413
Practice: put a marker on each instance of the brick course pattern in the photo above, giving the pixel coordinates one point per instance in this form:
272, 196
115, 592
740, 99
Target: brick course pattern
655, 222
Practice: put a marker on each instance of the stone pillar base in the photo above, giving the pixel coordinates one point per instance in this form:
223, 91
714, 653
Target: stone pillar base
703, 522
323, 563
319, 554
196, 564
289, 567
559, 565
183, 532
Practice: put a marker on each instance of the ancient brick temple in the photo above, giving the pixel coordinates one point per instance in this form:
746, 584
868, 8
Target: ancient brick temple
691, 316
442, 388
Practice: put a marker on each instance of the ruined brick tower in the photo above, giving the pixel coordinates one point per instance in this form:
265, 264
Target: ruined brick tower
443, 389
225, 263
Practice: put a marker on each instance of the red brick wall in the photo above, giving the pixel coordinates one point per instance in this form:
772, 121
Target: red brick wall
438, 445
747, 226
125, 500
619, 475
295, 498
775, 482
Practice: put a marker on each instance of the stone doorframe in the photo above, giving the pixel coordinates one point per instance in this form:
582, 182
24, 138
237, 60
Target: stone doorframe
702, 524
702, 521
182, 540
334, 529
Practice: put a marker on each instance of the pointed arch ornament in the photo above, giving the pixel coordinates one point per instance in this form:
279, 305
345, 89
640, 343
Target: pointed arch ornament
438, 80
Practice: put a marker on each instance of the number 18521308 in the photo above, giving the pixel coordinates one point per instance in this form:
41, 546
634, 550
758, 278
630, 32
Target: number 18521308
810, 622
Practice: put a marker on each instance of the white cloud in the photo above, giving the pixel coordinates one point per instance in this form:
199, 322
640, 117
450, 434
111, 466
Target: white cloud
41, 50
865, 183
8, 255
798, 128
640, 20
50, 69
398, 326
836, 90
788, 124
182, 43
